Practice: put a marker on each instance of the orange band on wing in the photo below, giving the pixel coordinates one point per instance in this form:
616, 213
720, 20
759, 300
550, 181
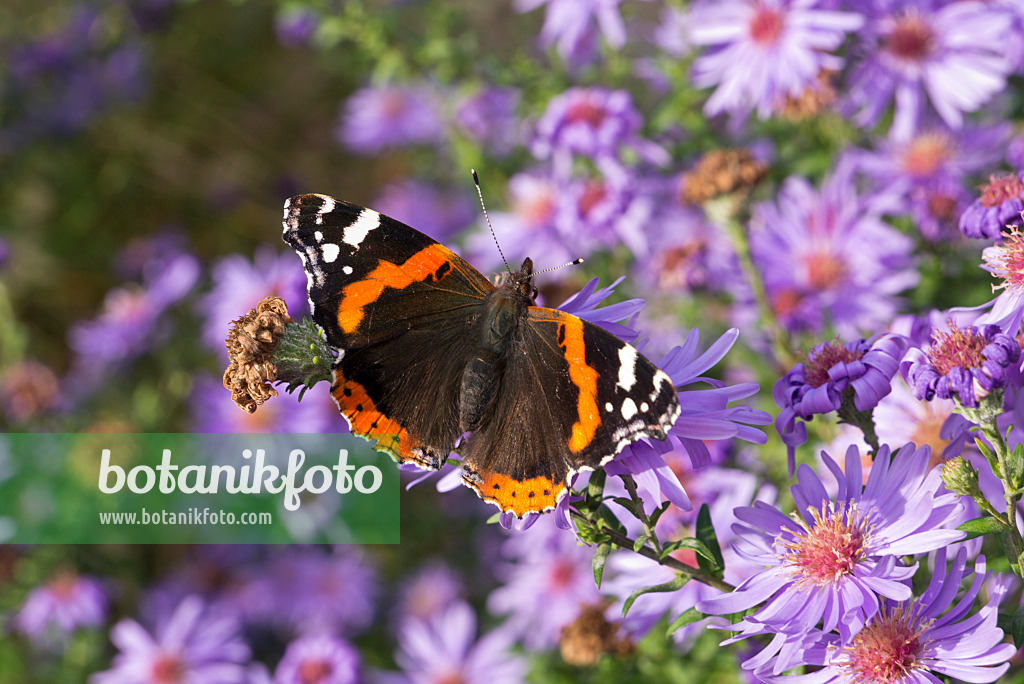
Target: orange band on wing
417, 268
366, 421
520, 497
585, 378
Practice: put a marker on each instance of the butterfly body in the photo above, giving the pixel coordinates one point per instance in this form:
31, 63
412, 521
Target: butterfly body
434, 357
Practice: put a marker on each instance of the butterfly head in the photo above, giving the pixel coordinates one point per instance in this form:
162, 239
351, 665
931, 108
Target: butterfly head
521, 282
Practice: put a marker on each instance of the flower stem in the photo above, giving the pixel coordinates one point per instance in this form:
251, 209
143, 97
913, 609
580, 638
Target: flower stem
1015, 553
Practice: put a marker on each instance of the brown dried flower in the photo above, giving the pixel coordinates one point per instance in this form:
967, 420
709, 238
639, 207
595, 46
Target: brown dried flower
588, 637
251, 343
721, 172
812, 101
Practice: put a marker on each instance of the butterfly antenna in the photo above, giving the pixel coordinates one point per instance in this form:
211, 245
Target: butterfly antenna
480, 194
555, 268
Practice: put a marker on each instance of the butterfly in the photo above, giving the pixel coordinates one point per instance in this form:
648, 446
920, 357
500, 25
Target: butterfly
433, 358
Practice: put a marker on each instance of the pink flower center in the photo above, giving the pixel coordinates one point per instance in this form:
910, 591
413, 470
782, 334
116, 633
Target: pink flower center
816, 368
393, 106
926, 153
452, 678
63, 585
963, 348
885, 651
1001, 189
167, 669
828, 550
562, 574
766, 26
941, 206
785, 302
911, 39
538, 210
593, 194
824, 271
586, 112
678, 263
1006, 260
314, 671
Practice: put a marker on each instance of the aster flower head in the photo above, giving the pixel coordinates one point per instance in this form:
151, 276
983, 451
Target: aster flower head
927, 53
910, 641
445, 649
764, 51
965, 364
434, 212
595, 123
65, 603
193, 644
831, 378
319, 659
568, 24
836, 557
1005, 261
489, 117
295, 27
997, 209
379, 118
828, 257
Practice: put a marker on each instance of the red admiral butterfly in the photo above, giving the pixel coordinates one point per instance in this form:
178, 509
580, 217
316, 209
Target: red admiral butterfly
430, 350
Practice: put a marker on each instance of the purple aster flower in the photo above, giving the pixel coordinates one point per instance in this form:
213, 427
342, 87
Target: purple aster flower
927, 52
318, 659
547, 578
763, 51
567, 23
998, 208
820, 384
601, 213
383, 117
489, 117
1005, 261
65, 603
295, 27
424, 207
690, 253
936, 207
311, 592
911, 641
673, 32
427, 592
444, 649
827, 257
838, 556
595, 123
239, 284
902, 418
192, 645
214, 412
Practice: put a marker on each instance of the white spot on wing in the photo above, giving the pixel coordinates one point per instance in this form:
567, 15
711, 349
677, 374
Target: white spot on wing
628, 408
627, 367
328, 206
645, 407
357, 232
318, 235
608, 407
319, 219
331, 252
347, 270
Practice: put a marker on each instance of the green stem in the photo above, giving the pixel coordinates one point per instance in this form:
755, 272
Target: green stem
990, 431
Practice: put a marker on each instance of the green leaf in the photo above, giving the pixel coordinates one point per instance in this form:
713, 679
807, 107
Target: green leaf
639, 542
689, 543
1017, 627
674, 585
979, 527
658, 513
705, 532
687, 618
600, 556
1015, 466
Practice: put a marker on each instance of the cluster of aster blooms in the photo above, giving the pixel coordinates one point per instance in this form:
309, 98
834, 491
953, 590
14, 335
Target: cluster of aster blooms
849, 157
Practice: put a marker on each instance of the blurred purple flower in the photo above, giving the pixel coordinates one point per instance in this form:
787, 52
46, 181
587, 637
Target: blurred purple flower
311, 592
839, 556
763, 51
546, 579
5, 252
489, 117
673, 32
595, 123
214, 412
378, 118
819, 384
902, 418
319, 659
444, 649
567, 23
239, 284
936, 207
688, 253
65, 603
296, 26
910, 641
28, 390
601, 213
427, 592
1015, 152
997, 209
828, 258
924, 53
964, 363
193, 645
426, 209
132, 318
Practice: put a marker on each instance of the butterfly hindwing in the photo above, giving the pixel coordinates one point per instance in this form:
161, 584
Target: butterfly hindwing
581, 396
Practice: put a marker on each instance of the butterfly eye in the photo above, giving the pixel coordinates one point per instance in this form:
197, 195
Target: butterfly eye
535, 293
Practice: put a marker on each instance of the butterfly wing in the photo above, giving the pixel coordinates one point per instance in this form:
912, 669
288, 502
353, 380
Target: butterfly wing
573, 396
398, 306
